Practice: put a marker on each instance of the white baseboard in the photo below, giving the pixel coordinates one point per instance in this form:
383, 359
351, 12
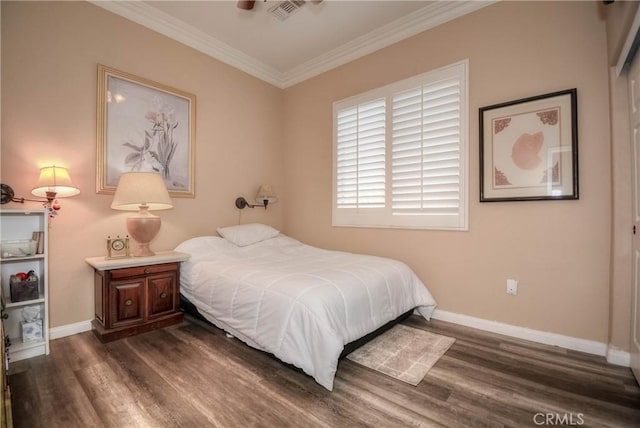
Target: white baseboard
614, 356
618, 357
69, 329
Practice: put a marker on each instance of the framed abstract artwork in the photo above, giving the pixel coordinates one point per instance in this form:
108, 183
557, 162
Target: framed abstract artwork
529, 149
144, 126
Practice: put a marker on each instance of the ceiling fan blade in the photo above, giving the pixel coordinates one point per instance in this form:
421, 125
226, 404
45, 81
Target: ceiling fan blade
245, 5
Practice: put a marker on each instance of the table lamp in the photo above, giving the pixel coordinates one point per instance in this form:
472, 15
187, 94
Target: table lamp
142, 192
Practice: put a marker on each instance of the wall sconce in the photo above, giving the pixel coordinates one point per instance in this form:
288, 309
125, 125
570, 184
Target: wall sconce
142, 192
264, 197
53, 182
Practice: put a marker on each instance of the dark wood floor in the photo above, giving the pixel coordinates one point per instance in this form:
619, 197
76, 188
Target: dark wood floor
192, 375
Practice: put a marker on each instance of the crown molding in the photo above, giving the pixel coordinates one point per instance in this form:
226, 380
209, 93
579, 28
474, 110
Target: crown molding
430, 16
178, 30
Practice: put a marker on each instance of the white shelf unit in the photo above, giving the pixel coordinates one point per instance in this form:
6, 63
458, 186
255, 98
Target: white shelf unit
17, 225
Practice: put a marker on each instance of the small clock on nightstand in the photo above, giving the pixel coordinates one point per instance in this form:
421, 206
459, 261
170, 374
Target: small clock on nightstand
117, 247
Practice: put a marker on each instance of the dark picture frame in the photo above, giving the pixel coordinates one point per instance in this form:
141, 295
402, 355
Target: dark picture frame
529, 149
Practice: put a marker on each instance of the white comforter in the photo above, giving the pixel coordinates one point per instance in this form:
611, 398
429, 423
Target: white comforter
298, 302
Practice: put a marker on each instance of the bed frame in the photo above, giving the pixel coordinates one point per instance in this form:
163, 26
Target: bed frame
190, 309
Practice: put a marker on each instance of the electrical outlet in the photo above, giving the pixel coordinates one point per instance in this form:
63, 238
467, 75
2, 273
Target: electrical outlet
512, 287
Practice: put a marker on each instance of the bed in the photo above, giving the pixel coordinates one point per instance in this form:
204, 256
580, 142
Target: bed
300, 303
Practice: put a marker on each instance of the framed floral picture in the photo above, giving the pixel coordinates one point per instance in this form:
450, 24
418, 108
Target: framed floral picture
529, 149
144, 126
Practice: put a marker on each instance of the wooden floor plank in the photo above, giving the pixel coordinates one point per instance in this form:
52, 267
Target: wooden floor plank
25, 403
407, 409
48, 394
192, 375
237, 399
556, 379
112, 399
154, 394
524, 395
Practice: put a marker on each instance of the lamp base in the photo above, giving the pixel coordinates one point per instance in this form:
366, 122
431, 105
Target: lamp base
143, 250
143, 227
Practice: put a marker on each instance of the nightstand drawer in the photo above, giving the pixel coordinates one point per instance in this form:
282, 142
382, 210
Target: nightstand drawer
127, 304
143, 270
162, 296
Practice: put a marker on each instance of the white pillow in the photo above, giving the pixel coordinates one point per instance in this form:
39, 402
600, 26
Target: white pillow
247, 234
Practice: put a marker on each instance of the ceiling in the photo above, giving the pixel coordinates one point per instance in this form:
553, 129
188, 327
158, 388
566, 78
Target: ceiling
311, 40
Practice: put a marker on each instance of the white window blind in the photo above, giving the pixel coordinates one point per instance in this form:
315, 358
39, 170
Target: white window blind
361, 156
400, 153
426, 149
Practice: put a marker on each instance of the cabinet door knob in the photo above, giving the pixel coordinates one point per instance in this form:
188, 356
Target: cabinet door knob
128, 302
163, 295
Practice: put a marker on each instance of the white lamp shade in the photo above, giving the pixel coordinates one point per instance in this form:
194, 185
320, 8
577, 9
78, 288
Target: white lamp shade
55, 179
266, 193
140, 188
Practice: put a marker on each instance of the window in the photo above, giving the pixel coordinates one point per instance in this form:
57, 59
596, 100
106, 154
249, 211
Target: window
400, 153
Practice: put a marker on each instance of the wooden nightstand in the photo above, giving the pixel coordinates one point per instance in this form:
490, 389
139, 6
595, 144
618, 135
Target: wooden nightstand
136, 294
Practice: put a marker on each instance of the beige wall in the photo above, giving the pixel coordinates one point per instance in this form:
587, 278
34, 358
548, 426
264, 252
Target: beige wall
249, 132
50, 53
559, 251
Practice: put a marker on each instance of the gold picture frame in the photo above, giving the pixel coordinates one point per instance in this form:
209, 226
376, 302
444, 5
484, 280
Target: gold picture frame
145, 126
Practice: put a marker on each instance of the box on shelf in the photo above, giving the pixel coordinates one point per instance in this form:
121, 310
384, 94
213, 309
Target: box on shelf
18, 248
31, 330
23, 290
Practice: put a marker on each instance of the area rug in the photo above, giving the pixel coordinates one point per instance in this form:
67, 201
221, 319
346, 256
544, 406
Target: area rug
404, 353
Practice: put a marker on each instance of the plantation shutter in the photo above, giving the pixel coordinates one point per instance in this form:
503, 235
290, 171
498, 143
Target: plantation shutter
426, 149
361, 156
401, 153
